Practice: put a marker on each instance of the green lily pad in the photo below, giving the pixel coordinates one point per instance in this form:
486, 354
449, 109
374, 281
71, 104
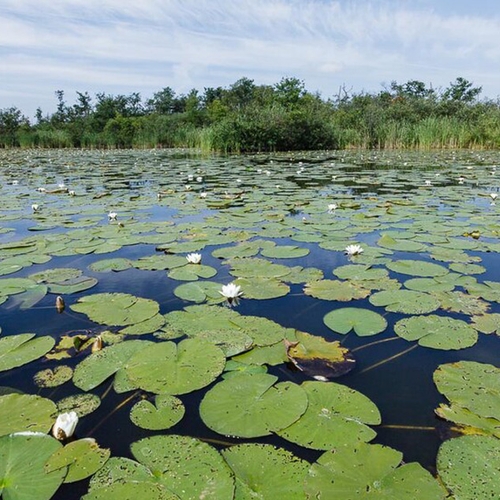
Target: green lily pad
336, 415
405, 301
25, 412
119, 309
343, 291
360, 272
80, 458
363, 321
171, 368
130, 489
471, 385
100, 365
262, 288
417, 268
465, 268
108, 265
199, 292
437, 332
22, 473
487, 323
468, 422
150, 325
192, 272
163, 414
264, 471
428, 285
460, 302
29, 298
18, 350
74, 285
53, 377
186, 466
252, 405
284, 252
469, 466
254, 268
369, 471
82, 404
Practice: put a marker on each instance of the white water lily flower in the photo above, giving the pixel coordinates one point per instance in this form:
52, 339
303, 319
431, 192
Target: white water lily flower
65, 425
428, 183
190, 177
71, 193
232, 292
35, 207
332, 207
112, 215
193, 258
351, 250
461, 180
41, 190
203, 194
199, 179
493, 196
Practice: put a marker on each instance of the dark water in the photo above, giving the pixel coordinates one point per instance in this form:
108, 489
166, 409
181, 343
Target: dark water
398, 382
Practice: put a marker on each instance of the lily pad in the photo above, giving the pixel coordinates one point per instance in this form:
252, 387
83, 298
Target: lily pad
471, 385
80, 458
82, 404
25, 412
252, 405
317, 357
186, 466
370, 471
405, 301
163, 414
264, 471
336, 416
417, 268
22, 473
53, 377
438, 332
18, 350
469, 466
119, 309
343, 291
171, 368
363, 321
108, 265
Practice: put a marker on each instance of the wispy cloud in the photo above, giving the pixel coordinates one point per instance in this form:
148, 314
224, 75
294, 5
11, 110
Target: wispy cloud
120, 46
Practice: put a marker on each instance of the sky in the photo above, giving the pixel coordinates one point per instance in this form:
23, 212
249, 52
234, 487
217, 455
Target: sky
125, 46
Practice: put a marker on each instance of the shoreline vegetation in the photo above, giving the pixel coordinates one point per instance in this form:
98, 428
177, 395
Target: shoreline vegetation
246, 117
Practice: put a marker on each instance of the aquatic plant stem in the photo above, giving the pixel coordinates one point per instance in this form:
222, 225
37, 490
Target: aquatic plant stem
391, 358
374, 343
113, 411
407, 427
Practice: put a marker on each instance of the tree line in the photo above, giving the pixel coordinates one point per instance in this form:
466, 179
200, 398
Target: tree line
250, 117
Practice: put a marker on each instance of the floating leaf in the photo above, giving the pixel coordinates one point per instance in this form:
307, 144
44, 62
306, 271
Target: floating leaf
319, 358
53, 377
82, 404
264, 471
18, 350
405, 301
471, 385
369, 471
262, 288
461, 303
187, 466
100, 365
25, 412
417, 268
284, 252
108, 265
74, 285
119, 309
438, 332
80, 458
252, 405
343, 291
363, 321
173, 369
163, 414
22, 473
487, 323
335, 416
469, 466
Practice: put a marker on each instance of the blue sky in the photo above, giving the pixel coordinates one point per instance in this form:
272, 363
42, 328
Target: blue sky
124, 46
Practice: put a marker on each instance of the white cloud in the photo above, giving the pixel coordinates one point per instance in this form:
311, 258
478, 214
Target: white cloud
115, 45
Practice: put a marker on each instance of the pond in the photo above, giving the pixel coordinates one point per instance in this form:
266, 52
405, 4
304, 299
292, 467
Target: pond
301, 325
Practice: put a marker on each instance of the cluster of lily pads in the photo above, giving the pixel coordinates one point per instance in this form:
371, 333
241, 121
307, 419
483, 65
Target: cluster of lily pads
395, 246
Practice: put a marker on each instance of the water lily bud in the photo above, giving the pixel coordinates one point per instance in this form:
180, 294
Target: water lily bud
60, 305
97, 345
65, 425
